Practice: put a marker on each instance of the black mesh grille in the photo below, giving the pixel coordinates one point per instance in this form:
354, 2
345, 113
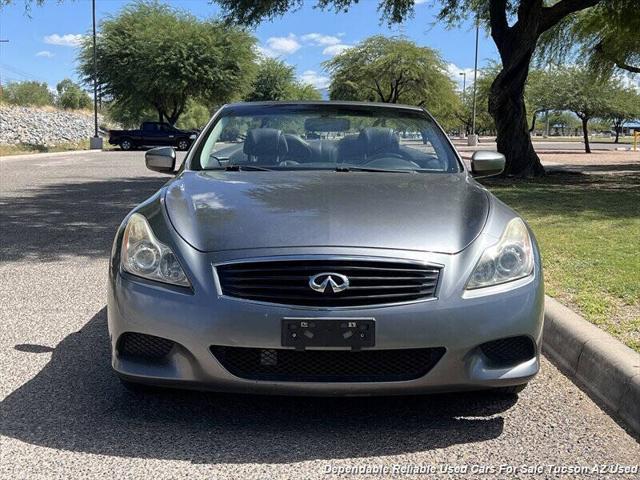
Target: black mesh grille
138, 345
327, 365
371, 282
509, 351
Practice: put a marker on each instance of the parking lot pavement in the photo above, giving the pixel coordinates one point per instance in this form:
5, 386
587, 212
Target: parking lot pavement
64, 414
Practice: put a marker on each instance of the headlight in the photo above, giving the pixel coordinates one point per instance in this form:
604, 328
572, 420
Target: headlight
510, 259
193, 136
145, 256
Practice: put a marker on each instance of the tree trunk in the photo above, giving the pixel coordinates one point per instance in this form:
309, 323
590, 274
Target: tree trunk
585, 134
506, 105
618, 127
533, 122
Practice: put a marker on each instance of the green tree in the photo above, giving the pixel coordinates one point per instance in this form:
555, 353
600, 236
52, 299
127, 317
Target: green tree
196, 115
393, 70
515, 26
538, 94
604, 37
153, 56
276, 80
26, 93
273, 81
624, 106
583, 93
71, 96
304, 91
390, 70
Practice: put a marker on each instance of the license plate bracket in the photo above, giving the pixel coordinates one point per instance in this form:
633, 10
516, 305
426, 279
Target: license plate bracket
354, 333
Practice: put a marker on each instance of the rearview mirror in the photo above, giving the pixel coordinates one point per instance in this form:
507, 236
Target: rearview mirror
487, 164
161, 159
327, 124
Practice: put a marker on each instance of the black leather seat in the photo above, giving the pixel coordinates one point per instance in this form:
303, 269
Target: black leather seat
298, 150
350, 150
378, 140
265, 145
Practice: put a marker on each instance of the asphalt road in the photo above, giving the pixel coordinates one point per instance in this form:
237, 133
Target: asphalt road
65, 415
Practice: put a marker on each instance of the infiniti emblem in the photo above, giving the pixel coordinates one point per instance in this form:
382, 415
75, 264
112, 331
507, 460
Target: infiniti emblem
336, 281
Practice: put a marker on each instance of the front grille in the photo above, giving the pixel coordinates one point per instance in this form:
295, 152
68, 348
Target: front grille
141, 346
327, 365
509, 351
371, 282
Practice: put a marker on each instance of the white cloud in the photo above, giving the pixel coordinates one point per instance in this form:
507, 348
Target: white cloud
336, 49
44, 53
66, 40
283, 45
316, 79
455, 72
418, 2
318, 39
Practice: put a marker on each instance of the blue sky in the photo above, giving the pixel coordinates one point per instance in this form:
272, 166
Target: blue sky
42, 47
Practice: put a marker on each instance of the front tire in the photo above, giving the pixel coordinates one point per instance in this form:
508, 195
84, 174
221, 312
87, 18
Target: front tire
183, 144
126, 144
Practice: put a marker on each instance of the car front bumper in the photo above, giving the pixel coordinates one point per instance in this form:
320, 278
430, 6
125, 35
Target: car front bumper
457, 320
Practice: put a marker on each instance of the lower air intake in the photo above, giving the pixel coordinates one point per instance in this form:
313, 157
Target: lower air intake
327, 365
509, 351
144, 347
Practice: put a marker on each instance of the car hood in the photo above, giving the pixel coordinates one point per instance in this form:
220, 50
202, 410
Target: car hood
217, 210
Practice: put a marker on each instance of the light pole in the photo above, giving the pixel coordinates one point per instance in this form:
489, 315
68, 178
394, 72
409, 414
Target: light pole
464, 92
95, 142
473, 138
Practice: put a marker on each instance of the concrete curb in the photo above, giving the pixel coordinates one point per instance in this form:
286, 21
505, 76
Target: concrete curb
607, 369
35, 156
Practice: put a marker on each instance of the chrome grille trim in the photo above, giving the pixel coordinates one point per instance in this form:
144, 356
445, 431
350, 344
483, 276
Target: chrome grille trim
416, 281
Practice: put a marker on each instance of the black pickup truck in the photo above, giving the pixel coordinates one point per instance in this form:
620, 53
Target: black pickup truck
152, 134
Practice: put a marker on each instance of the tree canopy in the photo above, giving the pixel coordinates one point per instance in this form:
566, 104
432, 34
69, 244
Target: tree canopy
151, 55
71, 96
26, 93
583, 93
392, 70
604, 37
276, 80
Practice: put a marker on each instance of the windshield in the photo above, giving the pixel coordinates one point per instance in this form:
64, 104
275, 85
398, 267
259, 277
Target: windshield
324, 137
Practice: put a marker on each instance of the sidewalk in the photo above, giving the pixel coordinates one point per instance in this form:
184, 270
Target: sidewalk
35, 156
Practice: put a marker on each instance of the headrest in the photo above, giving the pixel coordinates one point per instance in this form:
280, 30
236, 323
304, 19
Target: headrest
379, 139
299, 150
265, 141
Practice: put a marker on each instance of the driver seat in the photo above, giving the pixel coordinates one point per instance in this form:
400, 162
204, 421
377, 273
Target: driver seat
265, 145
378, 140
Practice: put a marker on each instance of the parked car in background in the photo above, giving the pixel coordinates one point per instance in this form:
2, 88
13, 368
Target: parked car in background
153, 134
357, 263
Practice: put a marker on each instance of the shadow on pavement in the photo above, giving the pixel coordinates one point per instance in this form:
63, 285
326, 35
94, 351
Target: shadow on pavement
77, 219
76, 403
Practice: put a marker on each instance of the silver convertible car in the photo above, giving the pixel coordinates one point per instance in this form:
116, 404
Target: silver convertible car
325, 248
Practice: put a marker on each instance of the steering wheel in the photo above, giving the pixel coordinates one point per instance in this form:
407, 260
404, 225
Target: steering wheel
391, 160
288, 163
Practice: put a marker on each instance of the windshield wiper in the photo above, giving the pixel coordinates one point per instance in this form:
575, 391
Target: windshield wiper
246, 168
369, 169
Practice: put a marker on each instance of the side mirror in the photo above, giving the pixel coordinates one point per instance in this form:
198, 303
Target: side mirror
161, 159
487, 164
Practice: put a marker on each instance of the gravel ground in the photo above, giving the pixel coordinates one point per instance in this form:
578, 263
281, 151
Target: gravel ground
64, 414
